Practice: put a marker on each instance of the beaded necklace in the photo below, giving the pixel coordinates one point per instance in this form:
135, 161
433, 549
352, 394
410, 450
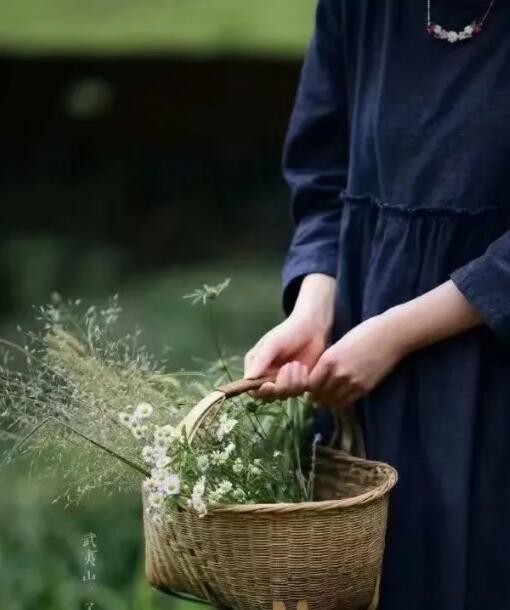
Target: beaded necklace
471, 30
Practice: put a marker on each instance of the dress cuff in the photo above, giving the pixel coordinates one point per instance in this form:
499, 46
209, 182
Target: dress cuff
487, 288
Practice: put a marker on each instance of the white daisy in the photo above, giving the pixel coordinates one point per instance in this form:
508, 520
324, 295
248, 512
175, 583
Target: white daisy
155, 501
165, 434
162, 461
144, 409
148, 453
197, 500
124, 418
169, 484
138, 431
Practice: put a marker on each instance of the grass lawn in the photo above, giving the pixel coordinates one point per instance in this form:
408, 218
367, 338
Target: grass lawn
194, 27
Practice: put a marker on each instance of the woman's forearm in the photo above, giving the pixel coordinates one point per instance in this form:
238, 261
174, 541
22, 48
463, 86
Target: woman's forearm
436, 315
316, 300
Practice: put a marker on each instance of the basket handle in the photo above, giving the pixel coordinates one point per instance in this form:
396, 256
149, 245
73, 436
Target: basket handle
343, 425
241, 386
193, 420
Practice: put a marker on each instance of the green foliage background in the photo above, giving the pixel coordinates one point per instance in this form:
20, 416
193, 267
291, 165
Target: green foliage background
271, 27
41, 562
41, 555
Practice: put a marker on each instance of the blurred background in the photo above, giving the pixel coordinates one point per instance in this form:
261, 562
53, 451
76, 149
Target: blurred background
140, 155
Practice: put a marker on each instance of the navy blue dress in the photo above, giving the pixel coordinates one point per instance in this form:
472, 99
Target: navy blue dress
398, 159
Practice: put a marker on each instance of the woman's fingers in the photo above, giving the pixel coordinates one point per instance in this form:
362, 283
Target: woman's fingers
291, 380
276, 389
299, 378
266, 391
322, 373
283, 381
331, 385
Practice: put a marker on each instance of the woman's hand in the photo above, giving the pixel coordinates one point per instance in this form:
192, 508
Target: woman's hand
291, 349
352, 367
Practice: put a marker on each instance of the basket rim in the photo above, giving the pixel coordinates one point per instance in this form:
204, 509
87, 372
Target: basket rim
323, 505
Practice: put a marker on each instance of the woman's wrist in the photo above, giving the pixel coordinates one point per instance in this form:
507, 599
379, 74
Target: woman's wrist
316, 301
401, 325
436, 315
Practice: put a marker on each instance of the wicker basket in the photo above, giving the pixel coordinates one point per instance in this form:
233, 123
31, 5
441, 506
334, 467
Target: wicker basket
321, 555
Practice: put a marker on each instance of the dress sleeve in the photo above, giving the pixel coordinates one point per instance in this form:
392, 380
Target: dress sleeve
485, 282
315, 157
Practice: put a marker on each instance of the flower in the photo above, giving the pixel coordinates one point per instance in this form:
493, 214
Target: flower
158, 453
207, 293
221, 491
139, 431
225, 426
164, 435
134, 423
203, 462
144, 410
220, 457
124, 418
155, 501
149, 485
172, 485
148, 453
238, 466
197, 500
239, 495
225, 487
254, 469
161, 461
227, 452
166, 482
199, 487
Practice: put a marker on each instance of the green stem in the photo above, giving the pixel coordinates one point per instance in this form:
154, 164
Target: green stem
217, 343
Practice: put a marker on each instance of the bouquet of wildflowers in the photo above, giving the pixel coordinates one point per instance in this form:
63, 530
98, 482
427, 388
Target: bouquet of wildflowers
104, 413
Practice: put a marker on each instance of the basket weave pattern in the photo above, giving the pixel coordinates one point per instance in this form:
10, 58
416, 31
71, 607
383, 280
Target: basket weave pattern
245, 557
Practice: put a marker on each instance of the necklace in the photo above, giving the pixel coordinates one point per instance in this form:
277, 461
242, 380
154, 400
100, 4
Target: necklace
474, 28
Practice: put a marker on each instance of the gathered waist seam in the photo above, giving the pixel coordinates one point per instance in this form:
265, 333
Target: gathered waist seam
426, 210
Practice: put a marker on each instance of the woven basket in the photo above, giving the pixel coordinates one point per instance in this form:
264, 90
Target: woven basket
321, 555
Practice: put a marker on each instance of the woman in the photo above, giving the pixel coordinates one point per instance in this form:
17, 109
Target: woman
397, 282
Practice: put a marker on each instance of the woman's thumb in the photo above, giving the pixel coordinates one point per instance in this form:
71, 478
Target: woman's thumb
260, 359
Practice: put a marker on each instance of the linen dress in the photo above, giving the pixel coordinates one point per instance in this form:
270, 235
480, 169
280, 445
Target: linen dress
398, 159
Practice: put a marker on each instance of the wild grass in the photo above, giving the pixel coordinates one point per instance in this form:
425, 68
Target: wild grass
40, 542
